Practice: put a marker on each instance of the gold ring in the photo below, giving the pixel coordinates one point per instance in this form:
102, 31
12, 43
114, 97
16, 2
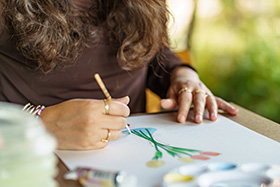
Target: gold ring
185, 89
201, 91
108, 136
107, 107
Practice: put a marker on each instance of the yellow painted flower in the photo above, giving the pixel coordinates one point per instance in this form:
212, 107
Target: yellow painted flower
186, 159
155, 163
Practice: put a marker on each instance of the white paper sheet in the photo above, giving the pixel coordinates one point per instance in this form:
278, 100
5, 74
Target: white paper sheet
130, 153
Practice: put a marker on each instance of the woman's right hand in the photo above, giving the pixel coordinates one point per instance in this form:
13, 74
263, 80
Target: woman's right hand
81, 124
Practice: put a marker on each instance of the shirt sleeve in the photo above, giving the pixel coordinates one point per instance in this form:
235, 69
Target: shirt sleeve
160, 69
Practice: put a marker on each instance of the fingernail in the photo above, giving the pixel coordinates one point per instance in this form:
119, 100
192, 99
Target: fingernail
125, 99
163, 103
167, 103
181, 118
235, 111
198, 119
213, 116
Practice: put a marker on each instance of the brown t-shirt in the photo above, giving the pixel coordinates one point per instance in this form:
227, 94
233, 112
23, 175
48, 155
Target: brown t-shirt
20, 83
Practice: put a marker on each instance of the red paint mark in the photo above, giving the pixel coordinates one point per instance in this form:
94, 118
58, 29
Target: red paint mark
200, 157
210, 153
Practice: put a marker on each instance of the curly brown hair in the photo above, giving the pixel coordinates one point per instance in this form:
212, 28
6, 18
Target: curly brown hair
53, 32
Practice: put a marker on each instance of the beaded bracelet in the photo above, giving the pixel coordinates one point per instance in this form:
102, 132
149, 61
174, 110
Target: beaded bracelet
33, 110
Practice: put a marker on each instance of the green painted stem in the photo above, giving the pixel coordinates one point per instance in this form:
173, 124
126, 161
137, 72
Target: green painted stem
171, 150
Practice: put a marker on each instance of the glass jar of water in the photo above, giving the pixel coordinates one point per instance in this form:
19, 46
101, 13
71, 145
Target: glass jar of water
26, 150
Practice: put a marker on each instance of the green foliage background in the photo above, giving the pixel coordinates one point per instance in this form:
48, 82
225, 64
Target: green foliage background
237, 54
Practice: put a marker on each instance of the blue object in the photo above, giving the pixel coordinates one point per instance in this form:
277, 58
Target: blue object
151, 130
219, 166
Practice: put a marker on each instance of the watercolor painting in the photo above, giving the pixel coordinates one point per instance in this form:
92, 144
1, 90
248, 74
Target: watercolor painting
182, 154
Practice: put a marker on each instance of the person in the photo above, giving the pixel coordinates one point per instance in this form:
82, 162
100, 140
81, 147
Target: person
50, 50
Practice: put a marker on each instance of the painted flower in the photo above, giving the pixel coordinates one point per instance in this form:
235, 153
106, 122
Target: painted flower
155, 163
183, 154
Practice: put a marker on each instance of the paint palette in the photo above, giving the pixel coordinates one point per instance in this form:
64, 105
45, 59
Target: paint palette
223, 174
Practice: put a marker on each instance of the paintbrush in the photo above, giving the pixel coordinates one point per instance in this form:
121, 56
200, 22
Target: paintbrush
106, 93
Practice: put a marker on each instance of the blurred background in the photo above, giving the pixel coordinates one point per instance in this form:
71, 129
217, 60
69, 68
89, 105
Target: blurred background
235, 47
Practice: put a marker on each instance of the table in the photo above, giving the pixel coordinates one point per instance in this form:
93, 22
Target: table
245, 117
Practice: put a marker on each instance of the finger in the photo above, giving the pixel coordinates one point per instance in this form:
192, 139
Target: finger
116, 108
184, 100
225, 106
88, 141
112, 122
168, 104
199, 106
81, 140
172, 94
116, 134
110, 135
212, 107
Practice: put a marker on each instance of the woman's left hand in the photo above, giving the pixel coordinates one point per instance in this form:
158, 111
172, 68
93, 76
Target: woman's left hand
186, 88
